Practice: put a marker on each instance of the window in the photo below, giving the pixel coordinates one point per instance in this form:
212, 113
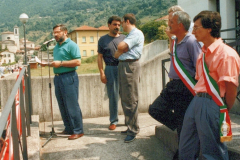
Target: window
84, 53
84, 39
9, 61
92, 52
16, 31
9, 55
91, 39
8, 38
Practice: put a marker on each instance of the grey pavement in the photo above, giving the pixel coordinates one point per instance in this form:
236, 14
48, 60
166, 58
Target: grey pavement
154, 142
99, 143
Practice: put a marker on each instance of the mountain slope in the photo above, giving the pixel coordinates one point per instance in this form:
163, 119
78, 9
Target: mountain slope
44, 14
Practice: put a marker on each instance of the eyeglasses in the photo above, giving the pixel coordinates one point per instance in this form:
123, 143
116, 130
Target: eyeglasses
196, 28
56, 32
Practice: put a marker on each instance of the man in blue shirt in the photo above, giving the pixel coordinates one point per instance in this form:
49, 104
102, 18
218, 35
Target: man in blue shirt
107, 46
67, 58
128, 53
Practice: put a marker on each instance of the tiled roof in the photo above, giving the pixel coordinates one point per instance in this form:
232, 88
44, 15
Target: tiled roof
162, 18
88, 28
84, 28
7, 32
105, 28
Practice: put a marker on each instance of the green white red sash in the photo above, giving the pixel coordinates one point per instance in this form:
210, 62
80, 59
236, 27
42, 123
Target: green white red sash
213, 90
181, 71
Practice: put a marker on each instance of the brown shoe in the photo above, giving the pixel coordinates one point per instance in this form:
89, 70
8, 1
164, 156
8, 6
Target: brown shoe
65, 132
75, 136
112, 127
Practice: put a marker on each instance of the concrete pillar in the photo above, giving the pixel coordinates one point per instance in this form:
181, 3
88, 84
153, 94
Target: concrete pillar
227, 11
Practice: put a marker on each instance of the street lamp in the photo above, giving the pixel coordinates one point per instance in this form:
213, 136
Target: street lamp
24, 18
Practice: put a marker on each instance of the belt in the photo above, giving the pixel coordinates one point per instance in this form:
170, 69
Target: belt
111, 64
128, 60
206, 95
59, 74
174, 79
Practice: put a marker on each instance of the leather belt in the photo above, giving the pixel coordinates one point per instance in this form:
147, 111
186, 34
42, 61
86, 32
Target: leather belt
111, 64
128, 60
59, 74
206, 95
174, 79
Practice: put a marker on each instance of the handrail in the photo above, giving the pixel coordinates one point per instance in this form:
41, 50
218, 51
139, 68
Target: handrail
11, 99
9, 108
230, 29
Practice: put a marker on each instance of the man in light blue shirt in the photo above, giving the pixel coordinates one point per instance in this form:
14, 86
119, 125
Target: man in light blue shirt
128, 53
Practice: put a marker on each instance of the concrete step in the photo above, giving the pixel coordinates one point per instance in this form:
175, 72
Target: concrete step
169, 138
33, 141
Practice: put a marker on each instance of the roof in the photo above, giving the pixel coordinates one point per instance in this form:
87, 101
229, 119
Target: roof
105, 28
19, 51
85, 28
7, 32
162, 18
88, 28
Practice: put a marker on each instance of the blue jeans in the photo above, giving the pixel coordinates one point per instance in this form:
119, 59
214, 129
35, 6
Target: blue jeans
66, 91
111, 73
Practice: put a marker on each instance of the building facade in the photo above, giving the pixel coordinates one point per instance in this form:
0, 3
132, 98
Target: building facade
86, 38
229, 11
14, 46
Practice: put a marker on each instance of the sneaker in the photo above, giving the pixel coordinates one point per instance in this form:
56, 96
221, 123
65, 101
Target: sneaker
124, 132
129, 139
112, 127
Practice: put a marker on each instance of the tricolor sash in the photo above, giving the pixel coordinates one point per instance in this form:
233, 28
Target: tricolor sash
213, 90
181, 71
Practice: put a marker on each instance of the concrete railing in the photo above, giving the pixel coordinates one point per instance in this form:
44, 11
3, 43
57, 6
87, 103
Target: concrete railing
92, 94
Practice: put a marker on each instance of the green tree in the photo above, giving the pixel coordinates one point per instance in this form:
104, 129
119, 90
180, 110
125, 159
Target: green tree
17, 58
154, 30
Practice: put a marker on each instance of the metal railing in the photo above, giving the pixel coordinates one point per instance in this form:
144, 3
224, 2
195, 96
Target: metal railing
25, 103
235, 42
164, 71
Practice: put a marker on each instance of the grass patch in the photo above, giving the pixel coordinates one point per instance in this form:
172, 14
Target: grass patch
88, 65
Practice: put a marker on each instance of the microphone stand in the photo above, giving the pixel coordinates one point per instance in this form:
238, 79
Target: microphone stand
52, 133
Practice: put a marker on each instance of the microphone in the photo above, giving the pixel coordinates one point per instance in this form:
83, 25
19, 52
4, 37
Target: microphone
49, 41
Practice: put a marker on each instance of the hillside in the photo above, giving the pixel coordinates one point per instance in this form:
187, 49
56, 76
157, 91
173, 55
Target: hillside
44, 14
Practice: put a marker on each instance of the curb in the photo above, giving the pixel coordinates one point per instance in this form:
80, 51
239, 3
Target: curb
170, 139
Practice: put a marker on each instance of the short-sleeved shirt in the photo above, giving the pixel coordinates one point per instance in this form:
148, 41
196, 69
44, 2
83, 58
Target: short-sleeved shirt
67, 51
188, 51
135, 42
107, 46
223, 63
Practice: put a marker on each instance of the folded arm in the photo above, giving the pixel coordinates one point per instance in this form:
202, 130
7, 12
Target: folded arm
122, 48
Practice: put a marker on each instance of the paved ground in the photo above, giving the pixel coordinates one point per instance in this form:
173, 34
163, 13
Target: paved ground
99, 143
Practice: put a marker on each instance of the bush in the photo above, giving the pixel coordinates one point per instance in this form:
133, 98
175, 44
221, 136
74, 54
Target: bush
92, 59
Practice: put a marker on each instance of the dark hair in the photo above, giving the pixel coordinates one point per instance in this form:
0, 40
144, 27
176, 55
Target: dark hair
114, 18
183, 18
131, 17
212, 20
62, 27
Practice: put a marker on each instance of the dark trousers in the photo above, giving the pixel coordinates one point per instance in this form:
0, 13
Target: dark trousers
201, 131
111, 73
170, 106
66, 91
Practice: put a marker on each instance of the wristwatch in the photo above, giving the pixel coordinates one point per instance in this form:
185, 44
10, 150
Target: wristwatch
173, 37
